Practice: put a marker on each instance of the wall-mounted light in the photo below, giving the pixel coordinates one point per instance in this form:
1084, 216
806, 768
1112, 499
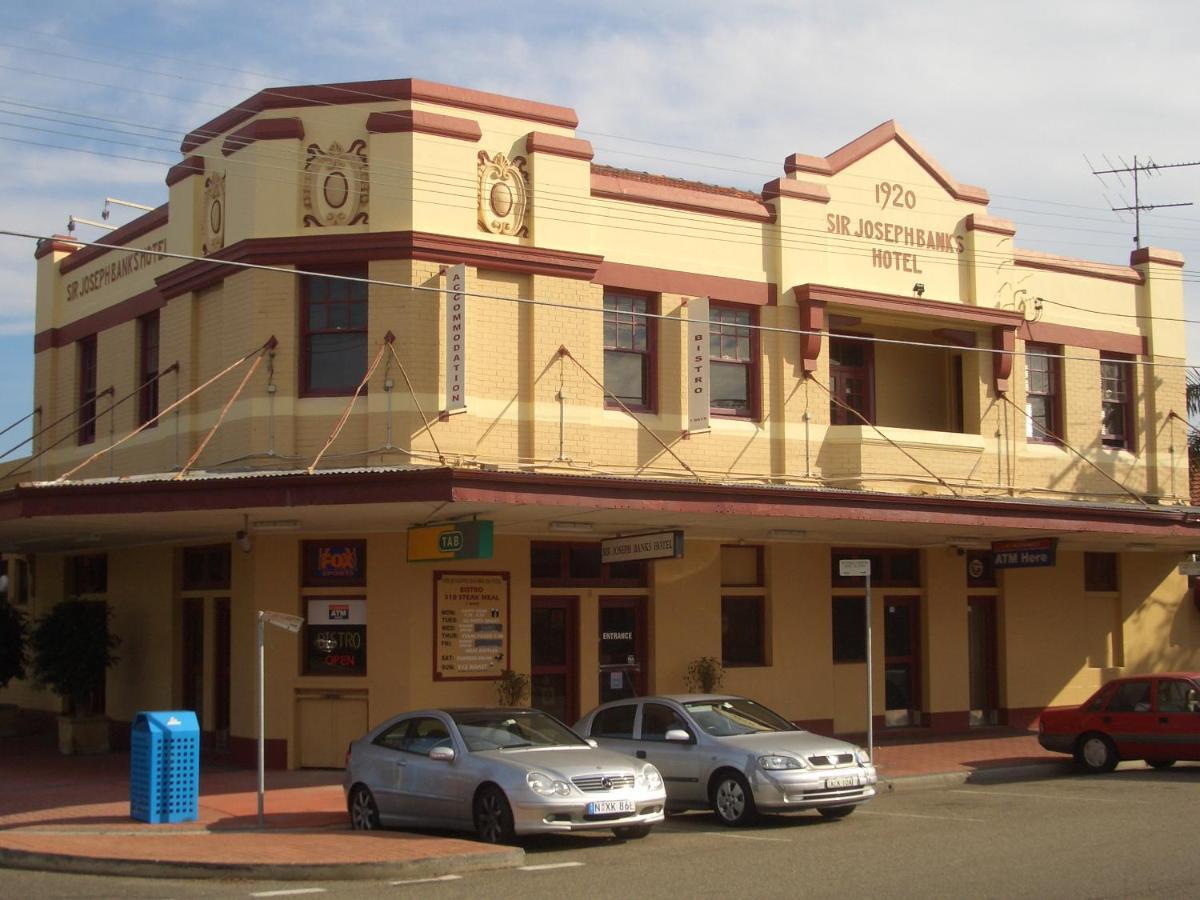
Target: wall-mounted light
918, 289
275, 525
571, 526
786, 534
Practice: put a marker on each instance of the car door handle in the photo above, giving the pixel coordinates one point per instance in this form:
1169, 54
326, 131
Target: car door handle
641, 754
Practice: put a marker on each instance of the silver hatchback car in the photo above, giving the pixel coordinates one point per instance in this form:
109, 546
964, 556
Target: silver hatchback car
734, 756
497, 772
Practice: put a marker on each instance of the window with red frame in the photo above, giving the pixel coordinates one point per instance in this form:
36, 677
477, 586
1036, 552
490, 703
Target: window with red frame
851, 381
1043, 392
333, 332
1116, 395
733, 361
148, 367
628, 350
87, 389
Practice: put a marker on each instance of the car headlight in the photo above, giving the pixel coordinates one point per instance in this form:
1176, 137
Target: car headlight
650, 778
774, 763
864, 758
547, 786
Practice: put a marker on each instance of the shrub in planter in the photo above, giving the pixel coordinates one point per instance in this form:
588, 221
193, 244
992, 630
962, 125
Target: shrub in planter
704, 675
72, 650
511, 688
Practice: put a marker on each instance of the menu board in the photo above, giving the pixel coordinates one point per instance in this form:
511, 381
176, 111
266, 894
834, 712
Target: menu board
470, 625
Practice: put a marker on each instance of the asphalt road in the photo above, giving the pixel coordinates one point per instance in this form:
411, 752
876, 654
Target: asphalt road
1131, 834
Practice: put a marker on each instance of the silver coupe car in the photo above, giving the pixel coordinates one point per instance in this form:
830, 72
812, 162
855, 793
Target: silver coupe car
734, 756
499, 773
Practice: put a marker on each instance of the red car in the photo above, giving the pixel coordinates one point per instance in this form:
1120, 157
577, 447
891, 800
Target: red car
1150, 717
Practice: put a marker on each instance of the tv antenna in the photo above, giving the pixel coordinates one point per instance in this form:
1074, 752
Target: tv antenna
1150, 168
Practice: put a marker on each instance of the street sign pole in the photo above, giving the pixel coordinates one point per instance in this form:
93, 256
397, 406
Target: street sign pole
870, 678
288, 623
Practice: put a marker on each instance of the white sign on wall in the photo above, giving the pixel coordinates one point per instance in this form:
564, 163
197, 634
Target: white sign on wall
337, 611
456, 339
696, 378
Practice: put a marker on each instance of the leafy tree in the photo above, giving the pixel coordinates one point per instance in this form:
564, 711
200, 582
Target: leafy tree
72, 648
14, 643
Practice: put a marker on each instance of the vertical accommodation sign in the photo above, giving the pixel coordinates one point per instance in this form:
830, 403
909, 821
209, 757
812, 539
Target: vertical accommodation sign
697, 377
456, 339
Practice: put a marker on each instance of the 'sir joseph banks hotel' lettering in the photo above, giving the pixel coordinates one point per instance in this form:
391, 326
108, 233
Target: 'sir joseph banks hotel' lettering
116, 270
891, 194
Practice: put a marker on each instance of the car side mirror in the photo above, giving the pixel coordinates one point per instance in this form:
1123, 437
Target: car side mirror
442, 754
678, 735
591, 742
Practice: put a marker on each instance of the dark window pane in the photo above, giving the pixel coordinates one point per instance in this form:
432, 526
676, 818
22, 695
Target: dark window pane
615, 722
742, 631
549, 629
849, 629
337, 361
898, 630
730, 387
545, 562
623, 376
1100, 572
657, 720
584, 561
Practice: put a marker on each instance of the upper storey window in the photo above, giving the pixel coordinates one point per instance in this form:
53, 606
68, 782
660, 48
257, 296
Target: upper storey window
87, 389
148, 367
733, 361
333, 324
1116, 395
628, 350
851, 381
1043, 392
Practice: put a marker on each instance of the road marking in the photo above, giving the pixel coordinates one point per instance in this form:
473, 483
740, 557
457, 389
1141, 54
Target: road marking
545, 866
291, 893
428, 880
1054, 797
746, 837
919, 816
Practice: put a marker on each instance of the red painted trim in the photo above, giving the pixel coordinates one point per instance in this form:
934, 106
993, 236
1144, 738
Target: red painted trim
812, 320
59, 243
193, 165
557, 145
1144, 255
403, 121
411, 89
670, 281
949, 722
797, 190
436, 634
263, 130
991, 224
1070, 336
872, 141
109, 317
310, 252
128, 232
1004, 337
1031, 259
894, 303
243, 752
629, 189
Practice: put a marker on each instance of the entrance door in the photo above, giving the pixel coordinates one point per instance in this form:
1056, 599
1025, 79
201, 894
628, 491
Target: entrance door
193, 658
224, 656
902, 661
622, 647
555, 635
981, 647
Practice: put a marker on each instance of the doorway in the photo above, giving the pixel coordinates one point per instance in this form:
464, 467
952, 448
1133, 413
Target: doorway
622, 647
224, 657
554, 627
192, 695
902, 661
982, 670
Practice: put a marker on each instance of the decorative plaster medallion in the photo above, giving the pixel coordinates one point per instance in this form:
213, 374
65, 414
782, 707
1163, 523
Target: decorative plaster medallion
503, 194
335, 185
214, 213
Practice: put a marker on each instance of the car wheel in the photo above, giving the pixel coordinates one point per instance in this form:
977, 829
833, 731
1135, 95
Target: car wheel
1160, 763
732, 801
493, 816
835, 812
1095, 753
364, 814
632, 832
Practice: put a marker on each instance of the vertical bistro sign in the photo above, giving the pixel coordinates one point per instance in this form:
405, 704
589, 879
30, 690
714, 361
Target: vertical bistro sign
697, 378
335, 636
456, 339
470, 625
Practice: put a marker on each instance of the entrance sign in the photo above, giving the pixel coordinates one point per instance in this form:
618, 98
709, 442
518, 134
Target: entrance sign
456, 339
696, 378
450, 540
470, 620
654, 545
1024, 554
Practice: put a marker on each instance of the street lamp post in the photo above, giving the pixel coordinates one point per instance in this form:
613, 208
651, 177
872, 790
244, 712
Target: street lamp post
288, 623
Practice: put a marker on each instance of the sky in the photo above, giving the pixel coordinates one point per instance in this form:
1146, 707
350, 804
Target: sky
1023, 99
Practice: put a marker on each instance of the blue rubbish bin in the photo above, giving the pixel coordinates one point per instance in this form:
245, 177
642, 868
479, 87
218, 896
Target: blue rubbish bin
164, 767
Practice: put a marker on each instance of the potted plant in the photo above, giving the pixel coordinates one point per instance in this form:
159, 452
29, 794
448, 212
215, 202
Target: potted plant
72, 650
14, 641
704, 675
511, 688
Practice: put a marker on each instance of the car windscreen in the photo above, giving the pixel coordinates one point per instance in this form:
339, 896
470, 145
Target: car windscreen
722, 718
509, 729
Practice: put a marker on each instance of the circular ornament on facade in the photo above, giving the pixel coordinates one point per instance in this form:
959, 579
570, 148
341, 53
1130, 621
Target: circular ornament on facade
501, 199
337, 189
214, 217
975, 568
